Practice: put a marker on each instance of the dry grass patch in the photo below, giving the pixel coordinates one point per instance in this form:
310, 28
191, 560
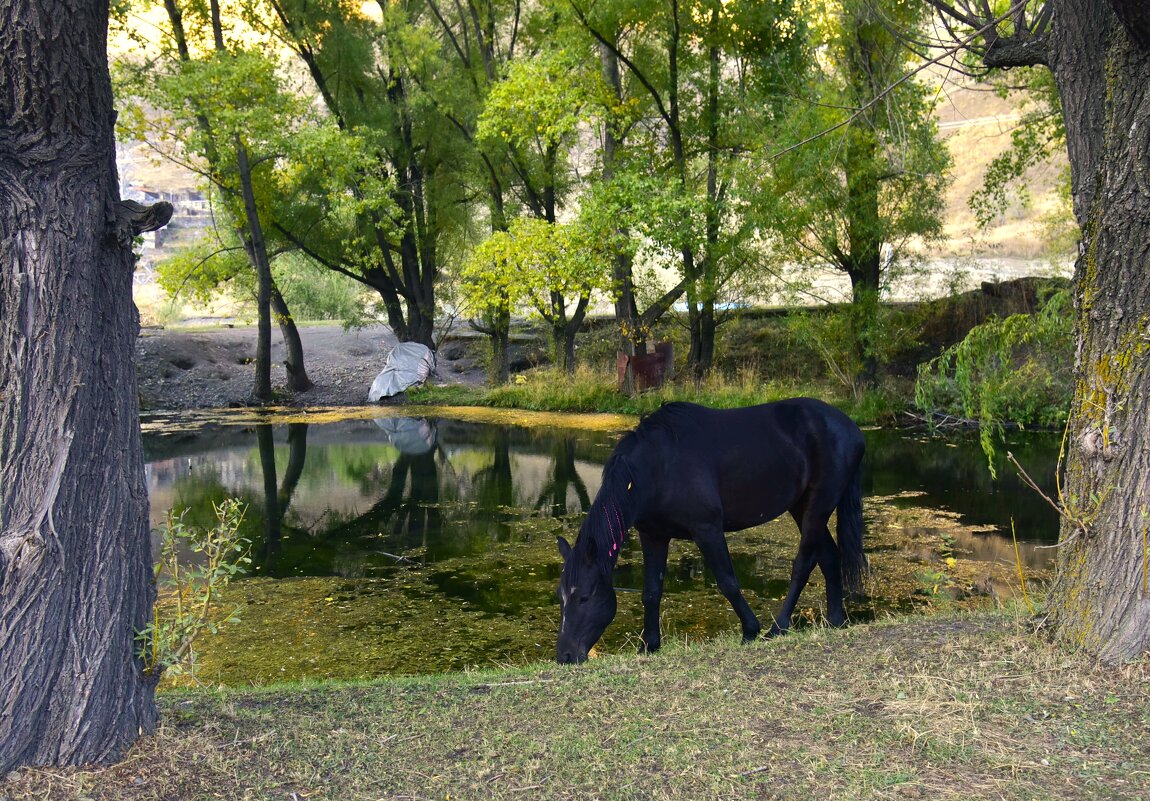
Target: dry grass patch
938, 708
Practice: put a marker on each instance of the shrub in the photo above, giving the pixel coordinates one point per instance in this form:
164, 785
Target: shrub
187, 604
1013, 370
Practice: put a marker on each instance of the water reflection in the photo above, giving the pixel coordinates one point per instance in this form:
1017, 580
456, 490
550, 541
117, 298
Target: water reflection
450, 487
952, 473
410, 525
359, 497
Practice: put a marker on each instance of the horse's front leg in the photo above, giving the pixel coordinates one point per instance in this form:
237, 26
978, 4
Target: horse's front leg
654, 569
713, 543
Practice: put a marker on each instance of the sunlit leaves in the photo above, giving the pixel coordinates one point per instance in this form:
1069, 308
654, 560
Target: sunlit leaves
1040, 133
1016, 369
522, 268
538, 105
192, 568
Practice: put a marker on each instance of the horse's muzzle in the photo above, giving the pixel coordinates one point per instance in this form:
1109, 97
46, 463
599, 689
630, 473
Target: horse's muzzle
570, 656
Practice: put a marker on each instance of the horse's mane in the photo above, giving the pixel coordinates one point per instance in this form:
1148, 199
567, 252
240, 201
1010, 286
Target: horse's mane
627, 481
669, 419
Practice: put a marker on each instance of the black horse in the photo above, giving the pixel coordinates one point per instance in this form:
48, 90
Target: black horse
690, 472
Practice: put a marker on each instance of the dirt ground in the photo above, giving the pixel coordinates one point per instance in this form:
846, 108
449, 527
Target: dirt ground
207, 368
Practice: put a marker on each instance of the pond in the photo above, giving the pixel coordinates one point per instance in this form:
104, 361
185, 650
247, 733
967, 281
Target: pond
401, 540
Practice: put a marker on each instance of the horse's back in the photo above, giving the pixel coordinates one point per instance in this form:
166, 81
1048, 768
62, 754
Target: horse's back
752, 463
805, 425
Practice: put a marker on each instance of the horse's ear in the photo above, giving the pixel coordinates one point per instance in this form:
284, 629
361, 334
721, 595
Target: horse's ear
564, 548
589, 551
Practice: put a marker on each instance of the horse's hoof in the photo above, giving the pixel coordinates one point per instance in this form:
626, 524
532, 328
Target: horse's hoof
775, 631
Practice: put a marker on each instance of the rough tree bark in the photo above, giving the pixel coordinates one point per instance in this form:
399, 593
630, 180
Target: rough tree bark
75, 562
1099, 54
256, 247
297, 377
1101, 599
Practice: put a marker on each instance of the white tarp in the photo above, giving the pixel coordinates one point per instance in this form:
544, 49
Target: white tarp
410, 363
411, 435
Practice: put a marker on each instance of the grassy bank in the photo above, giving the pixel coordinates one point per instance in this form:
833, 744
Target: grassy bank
940, 708
766, 354
590, 390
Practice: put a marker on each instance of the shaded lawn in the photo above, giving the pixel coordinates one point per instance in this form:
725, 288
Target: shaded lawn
938, 708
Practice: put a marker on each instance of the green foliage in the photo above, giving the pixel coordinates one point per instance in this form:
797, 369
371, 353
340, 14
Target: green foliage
187, 605
201, 271
313, 293
1040, 134
871, 177
526, 266
538, 106
697, 86
1016, 370
848, 335
198, 110
660, 219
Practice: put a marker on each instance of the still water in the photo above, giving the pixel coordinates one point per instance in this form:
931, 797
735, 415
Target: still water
401, 544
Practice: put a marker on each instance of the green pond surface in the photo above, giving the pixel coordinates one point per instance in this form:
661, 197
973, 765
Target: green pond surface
405, 540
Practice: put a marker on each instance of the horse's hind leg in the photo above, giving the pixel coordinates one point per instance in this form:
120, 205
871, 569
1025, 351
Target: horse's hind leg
815, 547
713, 544
654, 569
831, 569
801, 569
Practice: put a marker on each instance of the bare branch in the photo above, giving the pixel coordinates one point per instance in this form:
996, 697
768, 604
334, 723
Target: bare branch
1025, 47
949, 52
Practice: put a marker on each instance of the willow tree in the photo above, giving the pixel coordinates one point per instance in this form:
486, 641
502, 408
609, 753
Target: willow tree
75, 567
870, 176
1099, 55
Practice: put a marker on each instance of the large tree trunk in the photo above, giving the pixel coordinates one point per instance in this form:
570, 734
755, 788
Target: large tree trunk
500, 354
703, 327
497, 327
75, 561
863, 264
1100, 599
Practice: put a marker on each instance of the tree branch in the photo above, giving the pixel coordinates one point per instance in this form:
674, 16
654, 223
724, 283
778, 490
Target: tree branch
639, 76
961, 44
1027, 46
316, 256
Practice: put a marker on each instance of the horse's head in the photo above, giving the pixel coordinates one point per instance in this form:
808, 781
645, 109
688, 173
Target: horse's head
586, 599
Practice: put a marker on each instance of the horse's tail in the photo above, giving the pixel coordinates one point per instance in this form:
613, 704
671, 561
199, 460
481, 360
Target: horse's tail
850, 535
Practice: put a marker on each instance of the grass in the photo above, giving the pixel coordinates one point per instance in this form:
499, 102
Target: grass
589, 390
945, 707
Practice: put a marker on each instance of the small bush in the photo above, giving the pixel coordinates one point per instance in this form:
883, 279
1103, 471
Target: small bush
848, 336
1014, 370
186, 606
